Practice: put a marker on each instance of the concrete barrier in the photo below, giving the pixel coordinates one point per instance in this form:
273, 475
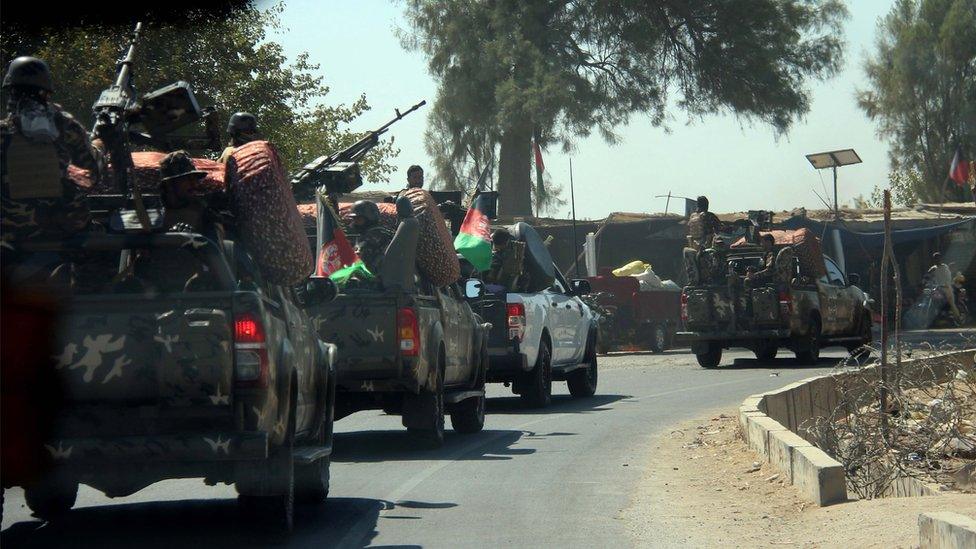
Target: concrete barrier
946, 530
771, 424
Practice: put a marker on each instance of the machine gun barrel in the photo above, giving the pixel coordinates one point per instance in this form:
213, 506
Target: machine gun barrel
124, 78
353, 153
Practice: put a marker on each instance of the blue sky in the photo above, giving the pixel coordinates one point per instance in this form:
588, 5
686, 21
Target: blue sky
737, 165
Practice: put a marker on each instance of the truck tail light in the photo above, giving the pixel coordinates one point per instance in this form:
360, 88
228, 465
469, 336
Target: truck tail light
516, 321
684, 307
408, 332
250, 351
785, 304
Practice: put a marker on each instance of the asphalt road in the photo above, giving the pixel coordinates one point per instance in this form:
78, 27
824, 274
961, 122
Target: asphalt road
556, 477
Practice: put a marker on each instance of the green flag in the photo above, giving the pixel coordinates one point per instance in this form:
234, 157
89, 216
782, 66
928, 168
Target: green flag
474, 239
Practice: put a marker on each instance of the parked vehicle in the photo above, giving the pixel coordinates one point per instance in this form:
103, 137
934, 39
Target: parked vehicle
220, 377
805, 314
932, 310
648, 319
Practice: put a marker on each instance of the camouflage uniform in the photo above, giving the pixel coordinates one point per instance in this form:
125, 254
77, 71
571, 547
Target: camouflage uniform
371, 247
506, 265
702, 226
45, 210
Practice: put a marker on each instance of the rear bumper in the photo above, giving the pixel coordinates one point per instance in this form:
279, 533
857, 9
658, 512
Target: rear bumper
505, 362
214, 446
741, 335
389, 377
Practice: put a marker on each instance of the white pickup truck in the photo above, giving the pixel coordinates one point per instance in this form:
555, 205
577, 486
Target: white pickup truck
540, 337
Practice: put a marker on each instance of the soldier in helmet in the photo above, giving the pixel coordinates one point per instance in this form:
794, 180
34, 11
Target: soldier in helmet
506, 261
373, 237
243, 128
39, 141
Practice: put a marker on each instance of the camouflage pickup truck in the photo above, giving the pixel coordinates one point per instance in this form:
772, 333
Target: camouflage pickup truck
217, 376
800, 312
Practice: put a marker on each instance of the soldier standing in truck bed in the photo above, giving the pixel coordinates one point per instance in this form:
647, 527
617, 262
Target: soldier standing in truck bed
242, 128
703, 225
39, 141
373, 238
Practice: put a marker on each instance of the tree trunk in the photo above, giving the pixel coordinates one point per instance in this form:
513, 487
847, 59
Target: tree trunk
514, 167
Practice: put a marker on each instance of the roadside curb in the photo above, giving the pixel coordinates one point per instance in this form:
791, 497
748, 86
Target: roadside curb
770, 424
946, 530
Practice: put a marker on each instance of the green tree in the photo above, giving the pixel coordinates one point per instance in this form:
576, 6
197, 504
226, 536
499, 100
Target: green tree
233, 64
559, 69
922, 90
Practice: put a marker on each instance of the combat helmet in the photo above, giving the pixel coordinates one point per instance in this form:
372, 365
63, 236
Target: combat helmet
367, 211
242, 122
28, 72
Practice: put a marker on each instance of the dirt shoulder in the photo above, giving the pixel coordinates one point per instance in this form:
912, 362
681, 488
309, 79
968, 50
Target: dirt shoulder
700, 489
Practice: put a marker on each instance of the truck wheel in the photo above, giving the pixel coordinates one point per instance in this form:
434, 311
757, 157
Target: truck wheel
809, 353
861, 352
428, 408
312, 479
51, 498
710, 356
659, 338
468, 416
582, 382
273, 508
766, 350
536, 392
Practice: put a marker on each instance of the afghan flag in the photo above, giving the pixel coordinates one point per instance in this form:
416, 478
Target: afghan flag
959, 170
474, 239
335, 252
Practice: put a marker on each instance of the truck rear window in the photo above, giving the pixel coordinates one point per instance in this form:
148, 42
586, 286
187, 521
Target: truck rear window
141, 270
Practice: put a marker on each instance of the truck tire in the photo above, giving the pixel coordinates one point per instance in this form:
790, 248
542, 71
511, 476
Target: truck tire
274, 513
809, 351
536, 391
52, 497
312, 479
468, 416
710, 356
582, 382
861, 352
659, 337
766, 350
428, 408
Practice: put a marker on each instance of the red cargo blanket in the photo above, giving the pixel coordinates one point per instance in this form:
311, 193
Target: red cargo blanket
267, 216
804, 242
146, 175
436, 257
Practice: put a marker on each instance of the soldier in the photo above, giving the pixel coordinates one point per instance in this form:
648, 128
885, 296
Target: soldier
39, 141
769, 270
415, 177
184, 209
373, 238
243, 128
506, 261
702, 225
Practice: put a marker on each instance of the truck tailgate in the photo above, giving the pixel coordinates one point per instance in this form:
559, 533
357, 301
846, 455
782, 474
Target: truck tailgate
363, 328
138, 351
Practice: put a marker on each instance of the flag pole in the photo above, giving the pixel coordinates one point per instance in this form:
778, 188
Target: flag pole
572, 200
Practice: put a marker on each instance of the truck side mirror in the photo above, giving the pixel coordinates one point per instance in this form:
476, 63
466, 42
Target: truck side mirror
581, 287
473, 288
854, 279
321, 290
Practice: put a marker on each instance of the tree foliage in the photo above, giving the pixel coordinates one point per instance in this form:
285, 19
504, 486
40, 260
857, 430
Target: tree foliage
561, 68
233, 64
922, 90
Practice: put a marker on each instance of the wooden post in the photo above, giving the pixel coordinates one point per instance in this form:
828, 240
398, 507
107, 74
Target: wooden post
883, 367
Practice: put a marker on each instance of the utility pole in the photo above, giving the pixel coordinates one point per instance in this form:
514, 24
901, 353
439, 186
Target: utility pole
572, 200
